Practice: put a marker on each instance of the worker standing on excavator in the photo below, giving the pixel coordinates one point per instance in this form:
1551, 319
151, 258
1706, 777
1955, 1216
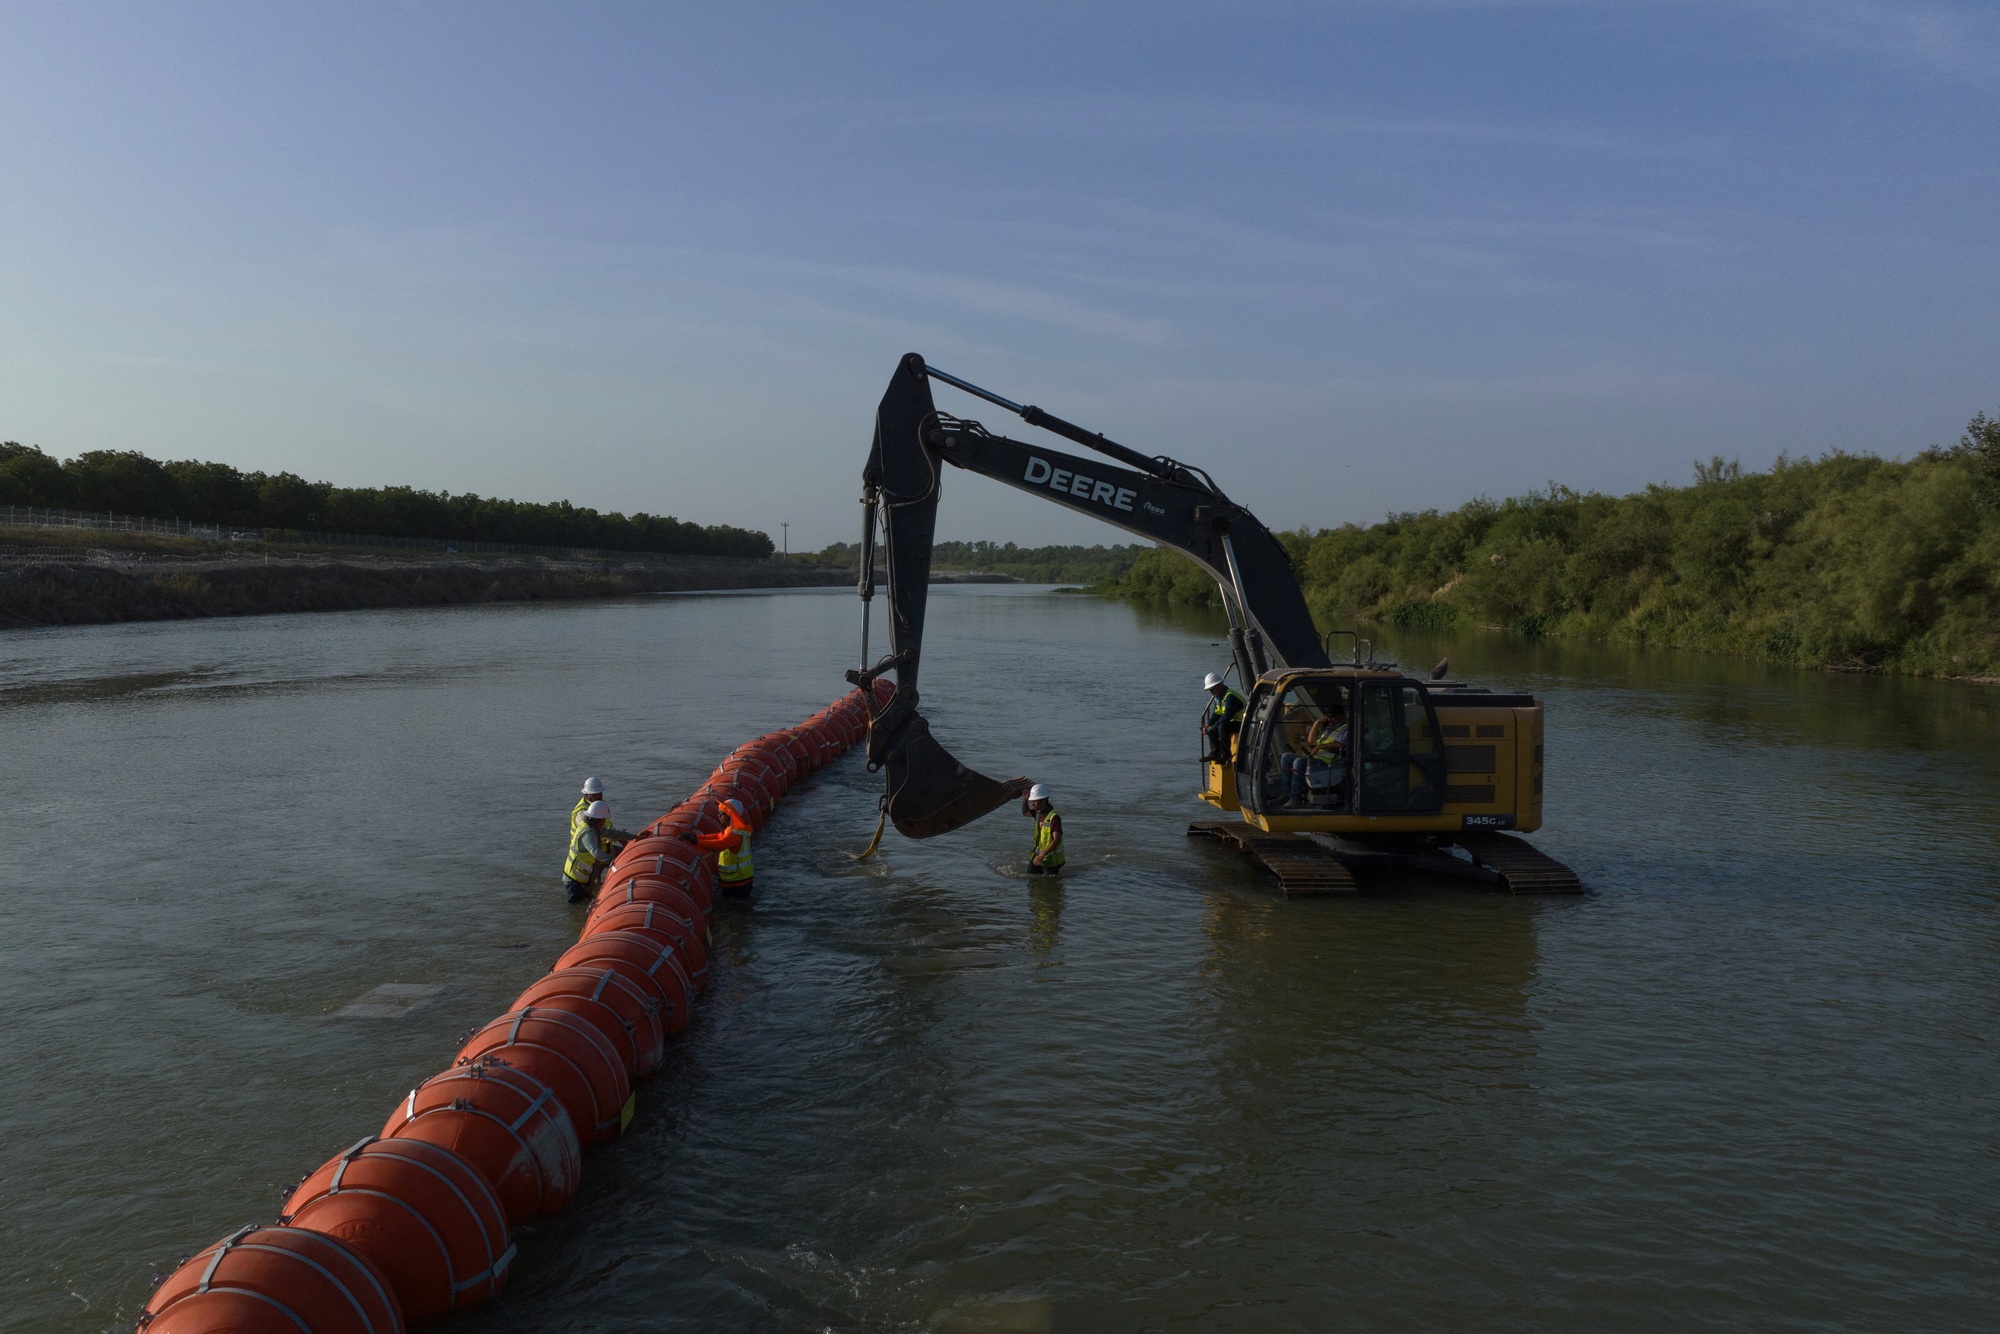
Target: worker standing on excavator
1221, 718
1049, 855
733, 866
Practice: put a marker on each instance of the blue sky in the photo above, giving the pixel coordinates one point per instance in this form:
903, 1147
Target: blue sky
1350, 257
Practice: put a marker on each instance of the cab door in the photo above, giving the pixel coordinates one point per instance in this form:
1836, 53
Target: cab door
1400, 750
1255, 786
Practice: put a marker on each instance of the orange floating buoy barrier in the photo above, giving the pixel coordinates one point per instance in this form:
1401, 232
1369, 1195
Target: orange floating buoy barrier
646, 961
413, 1224
641, 1016
275, 1279
506, 1123
426, 1218
568, 1054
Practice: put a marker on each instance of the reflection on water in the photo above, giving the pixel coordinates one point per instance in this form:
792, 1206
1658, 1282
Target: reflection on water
1747, 1082
1045, 902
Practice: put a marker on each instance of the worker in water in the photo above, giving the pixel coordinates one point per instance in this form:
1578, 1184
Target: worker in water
1320, 762
593, 790
589, 852
1049, 855
1221, 718
731, 847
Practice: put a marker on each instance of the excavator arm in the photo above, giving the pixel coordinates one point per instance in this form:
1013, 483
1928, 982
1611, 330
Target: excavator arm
929, 791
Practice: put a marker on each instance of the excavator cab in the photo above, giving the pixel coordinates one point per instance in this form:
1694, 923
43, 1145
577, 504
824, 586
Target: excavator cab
1368, 750
1325, 744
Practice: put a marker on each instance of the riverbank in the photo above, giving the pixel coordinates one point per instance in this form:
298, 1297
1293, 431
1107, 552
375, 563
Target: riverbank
54, 579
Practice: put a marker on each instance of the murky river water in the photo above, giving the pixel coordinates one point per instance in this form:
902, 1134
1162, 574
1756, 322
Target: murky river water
1749, 1082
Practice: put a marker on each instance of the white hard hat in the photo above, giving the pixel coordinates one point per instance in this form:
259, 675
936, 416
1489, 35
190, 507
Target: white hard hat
593, 787
597, 811
739, 807
1039, 792
1209, 682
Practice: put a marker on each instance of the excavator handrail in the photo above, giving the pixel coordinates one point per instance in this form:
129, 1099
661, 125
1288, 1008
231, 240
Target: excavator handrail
1157, 464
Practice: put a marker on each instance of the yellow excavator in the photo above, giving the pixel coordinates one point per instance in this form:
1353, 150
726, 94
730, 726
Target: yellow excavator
1329, 768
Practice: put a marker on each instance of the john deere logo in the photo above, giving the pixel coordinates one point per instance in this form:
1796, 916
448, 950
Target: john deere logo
1043, 473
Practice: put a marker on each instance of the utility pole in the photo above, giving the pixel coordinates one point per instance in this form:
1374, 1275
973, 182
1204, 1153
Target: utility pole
788, 539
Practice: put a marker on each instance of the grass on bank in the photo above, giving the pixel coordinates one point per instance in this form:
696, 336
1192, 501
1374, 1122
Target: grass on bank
1845, 561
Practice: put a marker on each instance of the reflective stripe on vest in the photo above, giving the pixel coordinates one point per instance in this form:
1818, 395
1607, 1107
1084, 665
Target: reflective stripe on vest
733, 868
584, 850
1045, 838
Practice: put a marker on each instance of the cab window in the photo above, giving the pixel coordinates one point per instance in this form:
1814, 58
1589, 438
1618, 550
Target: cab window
1288, 722
1402, 755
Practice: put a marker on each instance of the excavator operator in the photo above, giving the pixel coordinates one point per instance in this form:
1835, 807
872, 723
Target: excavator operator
1221, 718
1320, 763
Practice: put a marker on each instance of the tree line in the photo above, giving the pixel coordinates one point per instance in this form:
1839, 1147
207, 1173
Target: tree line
1843, 560
127, 482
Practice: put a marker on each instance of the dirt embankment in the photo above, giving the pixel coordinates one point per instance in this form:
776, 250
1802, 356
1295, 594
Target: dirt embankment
64, 583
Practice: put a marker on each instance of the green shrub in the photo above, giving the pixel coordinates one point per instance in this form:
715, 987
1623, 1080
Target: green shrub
1846, 559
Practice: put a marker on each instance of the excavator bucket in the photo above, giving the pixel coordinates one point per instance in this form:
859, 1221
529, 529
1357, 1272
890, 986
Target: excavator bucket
930, 792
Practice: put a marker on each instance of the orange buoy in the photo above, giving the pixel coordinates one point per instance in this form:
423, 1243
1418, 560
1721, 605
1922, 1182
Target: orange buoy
569, 1055
646, 961
747, 785
773, 748
277, 1279
673, 890
696, 880
658, 917
696, 815
683, 934
506, 1123
804, 755
642, 1017
727, 787
425, 1216
668, 846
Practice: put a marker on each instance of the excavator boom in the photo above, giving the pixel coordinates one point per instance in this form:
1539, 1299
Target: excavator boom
929, 791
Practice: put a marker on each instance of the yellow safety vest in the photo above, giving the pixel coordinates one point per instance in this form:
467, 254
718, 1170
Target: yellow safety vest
1045, 838
733, 868
585, 851
1225, 706
1328, 748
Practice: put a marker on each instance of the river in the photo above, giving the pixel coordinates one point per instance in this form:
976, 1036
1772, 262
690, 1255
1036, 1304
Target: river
1749, 1080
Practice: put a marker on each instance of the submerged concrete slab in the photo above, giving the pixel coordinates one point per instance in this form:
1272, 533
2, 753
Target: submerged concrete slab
391, 1000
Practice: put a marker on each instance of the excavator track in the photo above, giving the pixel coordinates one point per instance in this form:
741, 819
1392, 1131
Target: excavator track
1314, 864
1303, 867
1525, 868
